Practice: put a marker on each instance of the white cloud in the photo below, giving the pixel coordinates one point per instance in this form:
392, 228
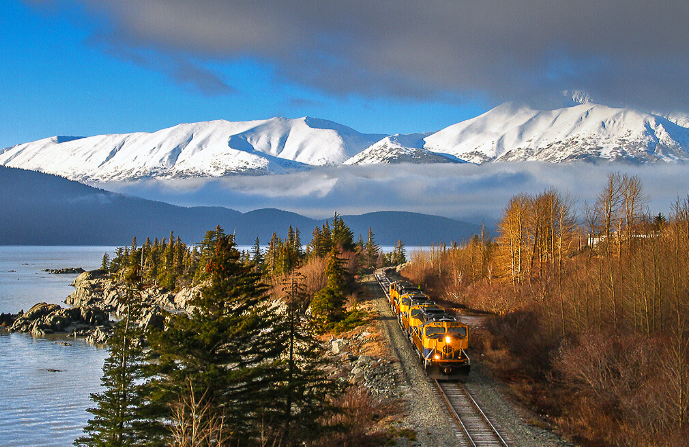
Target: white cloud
465, 192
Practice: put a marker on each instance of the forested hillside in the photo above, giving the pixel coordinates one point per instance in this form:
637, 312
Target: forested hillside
242, 365
592, 310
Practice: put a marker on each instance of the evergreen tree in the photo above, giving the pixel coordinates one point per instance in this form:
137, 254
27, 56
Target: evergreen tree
372, 251
273, 254
120, 418
307, 391
326, 241
208, 245
321, 241
342, 236
296, 243
257, 254
398, 254
134, 255
117, 263
227, 349
105, 262
328, 303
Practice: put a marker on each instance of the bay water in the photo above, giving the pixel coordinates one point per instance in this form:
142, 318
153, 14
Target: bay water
45, 382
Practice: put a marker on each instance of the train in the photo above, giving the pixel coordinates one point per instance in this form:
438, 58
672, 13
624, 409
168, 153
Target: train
438, 337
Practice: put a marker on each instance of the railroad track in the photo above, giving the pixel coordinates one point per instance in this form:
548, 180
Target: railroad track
475, 426
478, 429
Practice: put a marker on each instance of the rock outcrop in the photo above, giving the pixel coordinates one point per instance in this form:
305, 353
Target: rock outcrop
96, 288
65, 270
95, 298
44, 318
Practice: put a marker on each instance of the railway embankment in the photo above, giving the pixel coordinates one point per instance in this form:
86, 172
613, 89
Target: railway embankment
420, 406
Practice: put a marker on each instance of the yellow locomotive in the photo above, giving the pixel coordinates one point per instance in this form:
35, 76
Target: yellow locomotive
439, 338
398, 289
404, 305
442, 343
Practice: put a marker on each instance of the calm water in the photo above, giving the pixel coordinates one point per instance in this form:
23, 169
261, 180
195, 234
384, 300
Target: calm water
45, 383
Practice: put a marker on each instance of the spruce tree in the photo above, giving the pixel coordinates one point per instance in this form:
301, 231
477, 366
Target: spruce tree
227, 349
326, 241
207, 251
273, 254
328, 303
342, 236
120, 417
105, 262
257, 254
308, 392
372, 250
398, 255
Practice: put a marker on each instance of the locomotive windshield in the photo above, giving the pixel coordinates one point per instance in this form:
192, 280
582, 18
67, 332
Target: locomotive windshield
462, 331
434, 330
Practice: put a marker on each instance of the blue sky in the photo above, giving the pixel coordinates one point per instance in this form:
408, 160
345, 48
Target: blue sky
56, 80
86, 67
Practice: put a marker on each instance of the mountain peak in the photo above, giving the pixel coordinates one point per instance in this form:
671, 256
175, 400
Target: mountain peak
581, 132
576, 97
204, 149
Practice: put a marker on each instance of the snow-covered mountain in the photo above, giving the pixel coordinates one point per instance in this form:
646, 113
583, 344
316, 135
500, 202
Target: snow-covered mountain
398, 149
584, 131
205, 149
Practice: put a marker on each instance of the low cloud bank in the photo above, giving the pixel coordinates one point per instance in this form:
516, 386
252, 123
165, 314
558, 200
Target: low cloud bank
465, 192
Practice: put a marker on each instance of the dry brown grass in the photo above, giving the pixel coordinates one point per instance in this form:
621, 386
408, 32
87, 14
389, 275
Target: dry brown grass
365, 420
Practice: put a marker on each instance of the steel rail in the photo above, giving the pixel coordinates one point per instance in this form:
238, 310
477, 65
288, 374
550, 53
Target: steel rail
478, 429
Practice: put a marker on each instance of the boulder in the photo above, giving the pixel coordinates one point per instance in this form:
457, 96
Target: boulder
45, 318
338, 345
99, 335
94, 316
153, 319
6, 320
40, 310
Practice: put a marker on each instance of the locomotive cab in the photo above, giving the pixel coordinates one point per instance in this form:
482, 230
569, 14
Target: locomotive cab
418, 315
442, 345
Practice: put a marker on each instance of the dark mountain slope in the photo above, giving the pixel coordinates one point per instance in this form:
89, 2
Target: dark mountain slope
44, 209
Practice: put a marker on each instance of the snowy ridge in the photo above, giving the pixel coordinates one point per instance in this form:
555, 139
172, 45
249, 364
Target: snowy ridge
398, 149
205, 149
582, 132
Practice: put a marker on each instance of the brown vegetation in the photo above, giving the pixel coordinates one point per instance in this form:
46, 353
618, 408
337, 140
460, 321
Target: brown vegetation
596, 336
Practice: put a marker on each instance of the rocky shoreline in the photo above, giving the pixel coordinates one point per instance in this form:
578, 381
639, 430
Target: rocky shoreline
356, 355
43, 319
96, 297
65, 271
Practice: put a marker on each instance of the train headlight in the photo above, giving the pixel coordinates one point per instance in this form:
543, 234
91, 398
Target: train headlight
437, 356
448, 339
